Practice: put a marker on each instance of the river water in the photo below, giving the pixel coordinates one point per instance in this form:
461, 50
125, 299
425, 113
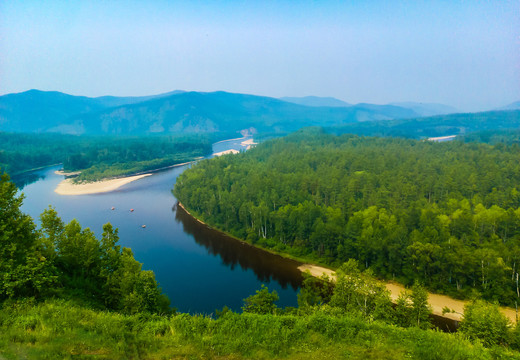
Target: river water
198, 268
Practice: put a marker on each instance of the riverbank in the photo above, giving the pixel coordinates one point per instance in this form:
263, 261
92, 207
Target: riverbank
300, 262
437, 302
187, 212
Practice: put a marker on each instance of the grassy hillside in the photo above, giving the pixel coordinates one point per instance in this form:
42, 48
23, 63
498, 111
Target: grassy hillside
61, 330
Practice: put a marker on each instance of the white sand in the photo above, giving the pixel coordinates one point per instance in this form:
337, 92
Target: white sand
436, 301
231, 151
67, 187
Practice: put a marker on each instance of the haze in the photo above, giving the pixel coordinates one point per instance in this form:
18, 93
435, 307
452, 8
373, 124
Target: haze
464, 54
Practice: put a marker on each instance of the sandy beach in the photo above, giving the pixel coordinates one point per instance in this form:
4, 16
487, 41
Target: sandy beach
436, 301
67, 187
317, 271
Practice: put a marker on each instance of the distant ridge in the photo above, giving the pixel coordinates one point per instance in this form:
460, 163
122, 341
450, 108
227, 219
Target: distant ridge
421, 109
435, 126
175, 112
316, 101
427, 109
110, 101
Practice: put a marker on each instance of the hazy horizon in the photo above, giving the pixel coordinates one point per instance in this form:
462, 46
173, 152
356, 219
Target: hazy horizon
454, 53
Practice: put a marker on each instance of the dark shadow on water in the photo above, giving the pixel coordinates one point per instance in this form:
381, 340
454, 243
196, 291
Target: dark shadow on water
25, 179
233, 252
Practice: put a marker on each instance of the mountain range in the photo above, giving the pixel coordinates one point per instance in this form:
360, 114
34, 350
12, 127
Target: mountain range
194, 112
421, 109
427, 109
177, 112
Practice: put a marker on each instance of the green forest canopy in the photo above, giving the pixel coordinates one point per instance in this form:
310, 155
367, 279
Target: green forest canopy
446, 214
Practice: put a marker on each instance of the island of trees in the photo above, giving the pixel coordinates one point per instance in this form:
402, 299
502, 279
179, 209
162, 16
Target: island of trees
100, 157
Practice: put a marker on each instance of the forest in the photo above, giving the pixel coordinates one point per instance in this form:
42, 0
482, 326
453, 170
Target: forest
444, 214
509, 136
99, 157
66, 294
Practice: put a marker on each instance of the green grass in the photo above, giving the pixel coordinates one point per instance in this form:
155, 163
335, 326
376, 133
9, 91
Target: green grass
58, 329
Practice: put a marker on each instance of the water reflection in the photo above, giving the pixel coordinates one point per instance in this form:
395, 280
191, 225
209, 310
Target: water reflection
265, 265
25, 179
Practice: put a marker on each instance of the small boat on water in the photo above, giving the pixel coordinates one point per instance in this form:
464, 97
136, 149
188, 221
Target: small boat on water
113, 208
131, 210
143, 226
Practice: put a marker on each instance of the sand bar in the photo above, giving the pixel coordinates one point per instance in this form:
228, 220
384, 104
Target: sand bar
230, 151
437, 302
67, 187
442, 138
221, 141
248, 142
72, 173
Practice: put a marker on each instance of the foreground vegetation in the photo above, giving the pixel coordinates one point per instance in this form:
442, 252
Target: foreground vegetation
445, 214
99, 157
58, 329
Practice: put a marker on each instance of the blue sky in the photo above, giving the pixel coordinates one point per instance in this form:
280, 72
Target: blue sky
461, 53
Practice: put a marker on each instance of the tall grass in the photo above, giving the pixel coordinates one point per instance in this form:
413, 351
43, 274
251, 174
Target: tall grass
58, 329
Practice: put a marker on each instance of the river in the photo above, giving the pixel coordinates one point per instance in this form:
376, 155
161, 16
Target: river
200, 269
